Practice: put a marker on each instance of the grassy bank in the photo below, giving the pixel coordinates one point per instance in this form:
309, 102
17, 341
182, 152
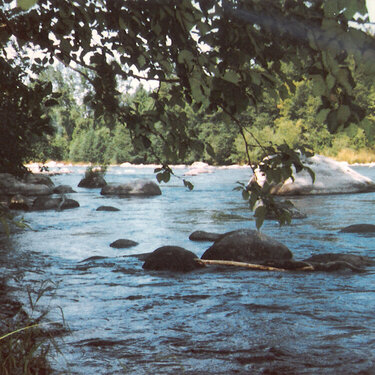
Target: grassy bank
363, 156
27, 338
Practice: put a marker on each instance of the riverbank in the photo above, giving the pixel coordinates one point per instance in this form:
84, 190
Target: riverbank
361, 157
65, 167
364, 157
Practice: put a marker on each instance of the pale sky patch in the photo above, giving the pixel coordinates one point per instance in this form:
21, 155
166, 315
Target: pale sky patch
371, 9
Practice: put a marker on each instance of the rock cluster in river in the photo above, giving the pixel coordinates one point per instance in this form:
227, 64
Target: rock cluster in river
249, 246
34, 192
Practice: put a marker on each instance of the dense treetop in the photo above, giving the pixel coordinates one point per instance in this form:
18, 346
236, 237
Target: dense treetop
218, 56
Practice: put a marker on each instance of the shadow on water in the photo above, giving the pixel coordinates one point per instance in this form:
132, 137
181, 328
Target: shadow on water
215, 321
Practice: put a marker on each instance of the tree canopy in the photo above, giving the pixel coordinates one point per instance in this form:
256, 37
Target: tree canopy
217, 56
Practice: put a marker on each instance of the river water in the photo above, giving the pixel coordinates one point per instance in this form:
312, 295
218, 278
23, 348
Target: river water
124, 320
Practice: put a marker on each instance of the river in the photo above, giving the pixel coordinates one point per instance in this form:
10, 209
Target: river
124, 320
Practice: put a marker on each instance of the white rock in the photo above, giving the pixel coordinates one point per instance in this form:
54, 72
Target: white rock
331, 177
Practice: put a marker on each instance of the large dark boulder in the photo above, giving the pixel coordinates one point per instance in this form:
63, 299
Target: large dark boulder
107, 208
171, 258
47, 203
123, 243
359, 228
92, 181
133, 188
200, 235
246, 245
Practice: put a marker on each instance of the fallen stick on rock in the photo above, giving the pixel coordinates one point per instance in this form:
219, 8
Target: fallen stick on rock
249, 265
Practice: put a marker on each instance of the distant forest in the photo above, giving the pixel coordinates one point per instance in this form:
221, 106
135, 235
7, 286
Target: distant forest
82, 136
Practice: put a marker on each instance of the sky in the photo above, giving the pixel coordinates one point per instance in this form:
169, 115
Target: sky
371, 9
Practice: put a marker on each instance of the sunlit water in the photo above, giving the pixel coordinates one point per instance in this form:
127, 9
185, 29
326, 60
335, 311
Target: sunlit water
125, 320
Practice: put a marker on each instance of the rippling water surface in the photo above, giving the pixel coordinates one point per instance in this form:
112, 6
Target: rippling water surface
125, 320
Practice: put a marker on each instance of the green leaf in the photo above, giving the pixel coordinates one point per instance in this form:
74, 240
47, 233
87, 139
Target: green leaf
343, 114
188, 184
330, 81
310, 172
260, 215
197, 92
318, 85
26, 4
123, 25
351, 8
322, 115
331, 8
51, 102
343, 77
185, 56
167, 176
231, 77
253, 200
156, 28
283, 91
159, 177
332, 121
255, 78
245, 195
146, 142
210, 150
285, 217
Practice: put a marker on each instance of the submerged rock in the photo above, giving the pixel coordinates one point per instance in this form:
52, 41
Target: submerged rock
93, 258
331, 177
353, 261
245, 245
359, 228
133, 188
107, 208
123, 243
200, 235
171, 258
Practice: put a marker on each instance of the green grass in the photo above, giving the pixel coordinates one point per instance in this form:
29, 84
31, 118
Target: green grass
363, 156
26, 340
